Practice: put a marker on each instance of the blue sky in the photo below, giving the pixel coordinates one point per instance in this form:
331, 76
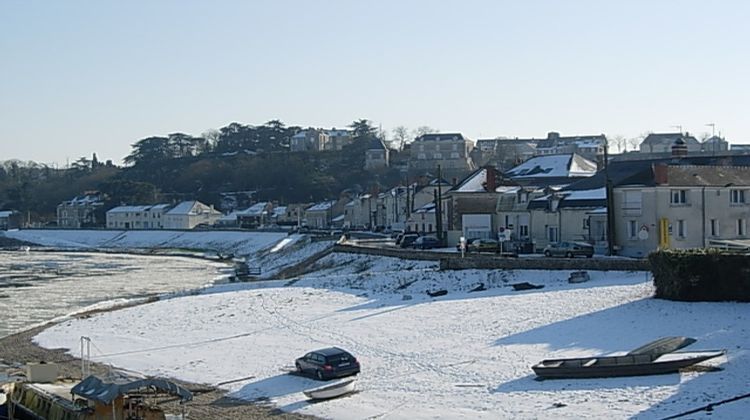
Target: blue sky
96, 76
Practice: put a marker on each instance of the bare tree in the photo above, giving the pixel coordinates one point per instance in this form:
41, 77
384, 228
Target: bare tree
212, 136
634, 142
620, 142
425, 129
400, 136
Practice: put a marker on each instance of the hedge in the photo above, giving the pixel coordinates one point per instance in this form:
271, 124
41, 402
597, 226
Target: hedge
701, 275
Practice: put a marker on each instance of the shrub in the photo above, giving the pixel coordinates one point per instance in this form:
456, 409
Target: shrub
701, 275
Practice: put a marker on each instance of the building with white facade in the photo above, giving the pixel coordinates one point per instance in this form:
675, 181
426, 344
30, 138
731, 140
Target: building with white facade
189, 214
137, 217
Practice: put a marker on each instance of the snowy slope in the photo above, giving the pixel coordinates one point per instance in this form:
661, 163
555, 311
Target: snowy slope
239, 243
463, 355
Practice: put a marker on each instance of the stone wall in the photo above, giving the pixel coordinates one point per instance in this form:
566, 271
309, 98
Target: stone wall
453, 260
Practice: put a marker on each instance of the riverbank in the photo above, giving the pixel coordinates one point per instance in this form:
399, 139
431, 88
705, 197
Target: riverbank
208, 402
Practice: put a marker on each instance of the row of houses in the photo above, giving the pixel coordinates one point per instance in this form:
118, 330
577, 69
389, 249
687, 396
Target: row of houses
679, 201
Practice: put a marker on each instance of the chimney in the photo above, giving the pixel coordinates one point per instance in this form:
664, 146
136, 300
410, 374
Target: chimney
553, 135
660, 174
679, 149
491, 183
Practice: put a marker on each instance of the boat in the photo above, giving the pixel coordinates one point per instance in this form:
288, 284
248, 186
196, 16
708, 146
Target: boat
626, 365
332, 391
663, 346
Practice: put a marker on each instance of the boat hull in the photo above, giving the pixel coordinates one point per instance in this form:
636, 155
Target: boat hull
615, 366
331, 391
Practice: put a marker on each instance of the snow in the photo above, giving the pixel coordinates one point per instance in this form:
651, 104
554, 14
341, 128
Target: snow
475, 183
462, 355
595, 194
552, 166
238, 243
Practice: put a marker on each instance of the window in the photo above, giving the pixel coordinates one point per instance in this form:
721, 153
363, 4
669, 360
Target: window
714, 227
552, 233
421, 156
681, 229
523, 230
437, 147
586, 223
633, 200
438, 156
632, 229
523, 197
741, 231
737, 196
454, 155
678, 196
455, 147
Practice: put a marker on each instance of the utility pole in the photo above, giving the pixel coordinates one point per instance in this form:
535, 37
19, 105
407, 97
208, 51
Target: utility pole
439, 207
610, 203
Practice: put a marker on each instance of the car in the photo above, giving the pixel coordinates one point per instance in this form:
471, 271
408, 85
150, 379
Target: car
569, 249
483, 245
426, 242
407, 240
328, 363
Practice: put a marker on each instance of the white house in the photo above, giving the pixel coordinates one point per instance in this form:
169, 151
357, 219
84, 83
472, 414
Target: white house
189, 214
137, 217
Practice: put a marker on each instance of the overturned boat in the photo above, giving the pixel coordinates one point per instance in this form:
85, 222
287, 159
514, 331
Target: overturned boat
332, 391
655, 358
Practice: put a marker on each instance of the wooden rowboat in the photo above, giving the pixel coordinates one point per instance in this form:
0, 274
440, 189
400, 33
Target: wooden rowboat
331, 391
627, 365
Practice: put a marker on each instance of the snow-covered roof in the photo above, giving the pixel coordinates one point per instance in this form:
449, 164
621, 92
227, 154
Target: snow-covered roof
255, 210
187, 207
475, 183
598, 210
557, 166
507, 189
6, 213
338, 218
279, 210
136, 209
427, 208
231, 217
596, 194
325, 205
85, 199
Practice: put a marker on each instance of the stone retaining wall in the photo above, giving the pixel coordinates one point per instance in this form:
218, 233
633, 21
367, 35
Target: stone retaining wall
453, 260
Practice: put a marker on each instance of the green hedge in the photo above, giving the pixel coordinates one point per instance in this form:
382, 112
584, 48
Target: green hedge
701, 275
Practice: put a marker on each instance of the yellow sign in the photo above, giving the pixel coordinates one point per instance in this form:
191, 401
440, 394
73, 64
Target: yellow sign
664, 233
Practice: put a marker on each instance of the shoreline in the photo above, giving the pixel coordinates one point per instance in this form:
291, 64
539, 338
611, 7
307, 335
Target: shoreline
208, 402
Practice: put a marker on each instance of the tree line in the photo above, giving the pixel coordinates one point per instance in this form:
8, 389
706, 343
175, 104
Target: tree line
180, 166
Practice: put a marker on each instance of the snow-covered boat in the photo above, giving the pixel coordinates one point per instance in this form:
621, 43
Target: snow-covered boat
332, 390
627, 365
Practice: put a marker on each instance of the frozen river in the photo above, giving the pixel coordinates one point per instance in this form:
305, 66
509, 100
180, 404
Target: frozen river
40, 286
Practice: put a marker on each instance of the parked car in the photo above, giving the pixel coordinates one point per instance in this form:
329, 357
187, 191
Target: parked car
426, 242
569, 249
407, 240
327, 363
483, 245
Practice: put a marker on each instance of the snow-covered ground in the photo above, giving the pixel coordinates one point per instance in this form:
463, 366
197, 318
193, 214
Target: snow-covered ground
238, 243
462, 355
